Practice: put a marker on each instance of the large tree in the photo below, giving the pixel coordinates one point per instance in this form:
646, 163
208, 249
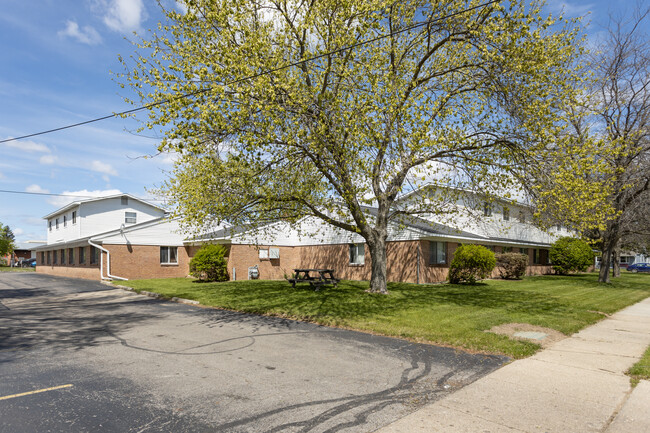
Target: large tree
285, 109
620, 107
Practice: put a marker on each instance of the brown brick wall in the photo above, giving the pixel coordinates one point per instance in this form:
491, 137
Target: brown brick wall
241, 257
74, 270
86, 273
143, 261
140, 261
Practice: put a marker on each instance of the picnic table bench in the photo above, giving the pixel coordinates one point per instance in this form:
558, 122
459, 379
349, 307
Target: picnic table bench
315, 277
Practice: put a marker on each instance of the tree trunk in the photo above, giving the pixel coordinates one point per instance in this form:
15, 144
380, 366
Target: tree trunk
377, 247
616, 262
610, 241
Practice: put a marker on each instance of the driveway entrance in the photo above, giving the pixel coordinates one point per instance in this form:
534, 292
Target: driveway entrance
81, 356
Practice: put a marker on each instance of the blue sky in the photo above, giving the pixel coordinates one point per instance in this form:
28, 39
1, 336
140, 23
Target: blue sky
55, 70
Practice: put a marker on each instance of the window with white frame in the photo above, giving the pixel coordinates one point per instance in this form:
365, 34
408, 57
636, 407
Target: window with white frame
357, 254
74, 217
437, 253
49, 224
65, 221
274, 253
168, 255
56, 223
506, 214
263, 253
130, 217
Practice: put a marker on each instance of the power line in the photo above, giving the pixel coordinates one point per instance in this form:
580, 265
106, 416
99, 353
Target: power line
250, 77
63, 195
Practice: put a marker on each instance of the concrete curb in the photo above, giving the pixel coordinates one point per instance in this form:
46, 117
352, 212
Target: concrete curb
185, 301
153, 294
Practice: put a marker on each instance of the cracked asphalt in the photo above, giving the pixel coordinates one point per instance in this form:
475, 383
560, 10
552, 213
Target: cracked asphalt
135, 364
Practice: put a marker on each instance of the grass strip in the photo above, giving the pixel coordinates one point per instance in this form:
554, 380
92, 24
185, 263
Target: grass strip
444, 314
640, 370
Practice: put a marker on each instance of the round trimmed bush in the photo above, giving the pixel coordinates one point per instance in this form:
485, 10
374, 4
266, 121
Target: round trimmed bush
209, 263
512, 266
571, 255
471, 263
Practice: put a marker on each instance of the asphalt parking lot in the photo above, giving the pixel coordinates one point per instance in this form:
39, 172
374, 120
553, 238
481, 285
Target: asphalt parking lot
82, 356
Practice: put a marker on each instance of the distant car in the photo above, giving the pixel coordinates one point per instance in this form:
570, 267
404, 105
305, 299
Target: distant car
639, 267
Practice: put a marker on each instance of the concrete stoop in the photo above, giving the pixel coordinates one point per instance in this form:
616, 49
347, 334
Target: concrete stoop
576, 385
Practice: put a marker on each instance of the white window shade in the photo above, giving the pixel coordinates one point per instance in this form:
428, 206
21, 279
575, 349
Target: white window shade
264, 254
274, 253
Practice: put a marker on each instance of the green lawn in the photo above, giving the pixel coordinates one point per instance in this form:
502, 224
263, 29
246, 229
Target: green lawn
640, 370
10, 269
455, 315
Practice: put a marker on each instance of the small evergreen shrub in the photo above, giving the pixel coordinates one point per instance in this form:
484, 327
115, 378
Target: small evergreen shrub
209, 263
512, 266
571, 255
471, 263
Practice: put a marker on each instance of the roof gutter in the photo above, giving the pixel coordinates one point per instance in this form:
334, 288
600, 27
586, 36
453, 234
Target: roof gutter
108, 264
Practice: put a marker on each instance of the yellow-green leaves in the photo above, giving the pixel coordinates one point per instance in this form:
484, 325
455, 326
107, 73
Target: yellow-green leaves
277, 119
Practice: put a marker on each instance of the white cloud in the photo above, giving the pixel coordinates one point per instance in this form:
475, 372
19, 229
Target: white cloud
169, 158
48, 159
125, 15
18, 231
181, 6
102, 167
37, 189
87, 35
2, 176
83, 194
571, 10
28, 146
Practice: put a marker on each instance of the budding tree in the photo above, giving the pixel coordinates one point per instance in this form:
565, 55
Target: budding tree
283, 109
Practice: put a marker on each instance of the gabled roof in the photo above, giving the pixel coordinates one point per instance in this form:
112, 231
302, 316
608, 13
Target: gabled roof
78, 202
420, 189
98, 236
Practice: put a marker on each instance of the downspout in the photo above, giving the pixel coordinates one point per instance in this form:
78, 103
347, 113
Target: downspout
108, 264
417, 269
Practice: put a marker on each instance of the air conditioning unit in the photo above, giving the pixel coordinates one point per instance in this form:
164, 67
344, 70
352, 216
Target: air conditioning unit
253, 273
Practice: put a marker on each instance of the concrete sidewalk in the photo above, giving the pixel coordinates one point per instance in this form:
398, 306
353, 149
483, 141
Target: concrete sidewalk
576, 385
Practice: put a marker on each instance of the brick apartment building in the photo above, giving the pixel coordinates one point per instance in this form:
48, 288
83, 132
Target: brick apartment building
124, 237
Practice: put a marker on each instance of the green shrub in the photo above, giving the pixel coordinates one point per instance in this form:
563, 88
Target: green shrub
471, 263
512, 266
209, 263
571, 255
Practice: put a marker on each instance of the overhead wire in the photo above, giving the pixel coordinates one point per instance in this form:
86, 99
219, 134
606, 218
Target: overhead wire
253, 76
62, 195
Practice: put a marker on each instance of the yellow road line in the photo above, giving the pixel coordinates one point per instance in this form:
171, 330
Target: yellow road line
7, 397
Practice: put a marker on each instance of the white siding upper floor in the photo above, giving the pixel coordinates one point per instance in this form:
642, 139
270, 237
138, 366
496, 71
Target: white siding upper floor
89, 217
498, 220
165, 232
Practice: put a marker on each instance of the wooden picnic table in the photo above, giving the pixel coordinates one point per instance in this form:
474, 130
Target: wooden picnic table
315, 277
